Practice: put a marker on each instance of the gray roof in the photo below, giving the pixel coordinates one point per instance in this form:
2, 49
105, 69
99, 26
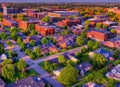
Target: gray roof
27, 82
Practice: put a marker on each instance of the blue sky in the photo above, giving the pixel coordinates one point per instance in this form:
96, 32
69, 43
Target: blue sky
59, 0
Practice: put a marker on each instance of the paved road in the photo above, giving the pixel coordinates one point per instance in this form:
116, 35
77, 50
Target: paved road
75, 50
37, 68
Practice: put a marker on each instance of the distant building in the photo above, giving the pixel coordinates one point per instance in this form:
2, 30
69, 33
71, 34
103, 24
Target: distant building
113, 43
9, 22
44, 30
99, 35
69, 22
24, 24
67, 13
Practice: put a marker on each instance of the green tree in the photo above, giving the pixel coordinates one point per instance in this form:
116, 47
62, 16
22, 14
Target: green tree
10, 54
116, 54
61, 59
27, 51
32, 43
44, 41
68, 75
46, 65
22, 45
96, 46
21, 65
19, 40
1, 48
6, 62
99, 60
116, 62
37, 51
98, 25
79, 40
33, 32
46, 19
65, 32
83, 33
90, 44
9, 43
3, 36
8, 71
32, 55
113, 31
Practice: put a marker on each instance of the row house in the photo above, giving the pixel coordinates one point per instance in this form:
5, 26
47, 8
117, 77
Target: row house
113, 43
99, 35
48, 49
24, 24
67, 13
117, 29
44, 30
69, 22
98, 19
66, 41
109, 23
9, 22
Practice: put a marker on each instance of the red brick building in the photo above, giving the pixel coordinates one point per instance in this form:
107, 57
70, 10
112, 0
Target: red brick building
9, 22
44, 30
24, 24
99, 35
113, 43
69, 22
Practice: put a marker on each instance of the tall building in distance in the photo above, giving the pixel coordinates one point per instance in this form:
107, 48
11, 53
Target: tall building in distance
5, 11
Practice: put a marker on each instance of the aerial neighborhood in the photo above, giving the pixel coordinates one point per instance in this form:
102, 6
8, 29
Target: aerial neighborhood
59, 45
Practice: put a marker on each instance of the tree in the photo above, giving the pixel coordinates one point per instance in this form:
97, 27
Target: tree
116, 54
79, 40
3, 36
8, 71
1, 48
32, 55
96, 46
99, 60
113, 31
46, 19
90, 44
83, 34
27, 51
33, 32
116, 62
44, 41
9, 43
50, 38
98, 25
70, 63
68, 75
65, 32
37, 51
61, 59
10, 54
87, 23
19, 40
22, 45
13, 33
32, 43
31, 26
6, 62
46, 65
21, 65
55, 66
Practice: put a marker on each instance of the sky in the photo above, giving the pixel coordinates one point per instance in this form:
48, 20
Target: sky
59, 0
